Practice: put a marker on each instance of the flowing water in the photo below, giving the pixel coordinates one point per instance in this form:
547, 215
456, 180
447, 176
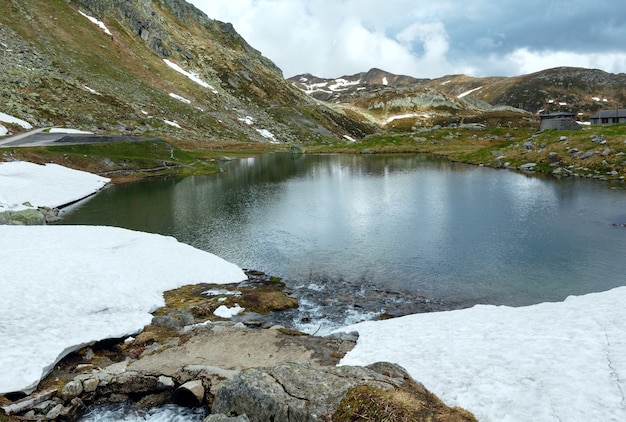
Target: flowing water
347, 225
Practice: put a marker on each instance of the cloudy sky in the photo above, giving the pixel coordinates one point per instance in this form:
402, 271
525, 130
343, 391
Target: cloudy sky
430, 38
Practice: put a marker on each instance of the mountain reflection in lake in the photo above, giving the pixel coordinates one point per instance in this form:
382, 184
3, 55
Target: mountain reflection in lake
411, 223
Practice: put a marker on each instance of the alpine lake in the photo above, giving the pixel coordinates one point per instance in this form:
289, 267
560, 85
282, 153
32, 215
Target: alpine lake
358, 236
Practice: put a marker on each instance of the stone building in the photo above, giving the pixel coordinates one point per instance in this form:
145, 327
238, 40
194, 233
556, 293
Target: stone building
558, 121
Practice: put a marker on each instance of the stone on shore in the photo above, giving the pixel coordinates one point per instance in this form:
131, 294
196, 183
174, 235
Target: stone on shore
305, 392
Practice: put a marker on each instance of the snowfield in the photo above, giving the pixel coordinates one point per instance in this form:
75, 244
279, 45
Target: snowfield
548, 362
64, 287
67, 286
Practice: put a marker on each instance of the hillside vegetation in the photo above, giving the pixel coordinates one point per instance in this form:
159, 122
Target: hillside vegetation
159, 68
164, 70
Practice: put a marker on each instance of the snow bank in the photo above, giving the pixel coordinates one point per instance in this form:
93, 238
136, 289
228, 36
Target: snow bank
190, 75
224, 311
64, 287
548, 362
67, 286
10, 119
97, 22
179, 98
466, 93
47, 185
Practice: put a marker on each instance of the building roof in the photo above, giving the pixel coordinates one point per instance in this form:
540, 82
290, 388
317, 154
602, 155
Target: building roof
557, 115
610, 113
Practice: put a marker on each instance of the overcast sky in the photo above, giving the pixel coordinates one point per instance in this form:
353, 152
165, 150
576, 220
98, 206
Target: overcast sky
430, 38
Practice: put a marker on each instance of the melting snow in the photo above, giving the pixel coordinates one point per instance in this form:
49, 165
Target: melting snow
95, 21
93, 91
190, 75
267, 134
385, 80
10, 119
561, 361
468, 92
172, 123
179, 98
64, 287
224, 311
247, 120
67, 130
49, 185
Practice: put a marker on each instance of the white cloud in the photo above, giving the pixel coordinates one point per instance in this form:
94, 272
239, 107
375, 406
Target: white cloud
531, 61
332, 38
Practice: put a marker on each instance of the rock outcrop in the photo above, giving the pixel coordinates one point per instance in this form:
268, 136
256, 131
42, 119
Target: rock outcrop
302, 392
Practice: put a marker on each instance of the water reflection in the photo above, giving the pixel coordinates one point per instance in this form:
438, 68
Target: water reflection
411, 223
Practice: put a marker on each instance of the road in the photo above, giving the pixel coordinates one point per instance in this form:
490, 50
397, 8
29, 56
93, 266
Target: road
38, 137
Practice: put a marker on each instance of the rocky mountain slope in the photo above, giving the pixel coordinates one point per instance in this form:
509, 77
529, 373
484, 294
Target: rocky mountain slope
158, 68
399, 102
568, 89
404, 102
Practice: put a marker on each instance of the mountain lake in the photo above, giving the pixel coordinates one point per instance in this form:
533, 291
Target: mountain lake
340, 229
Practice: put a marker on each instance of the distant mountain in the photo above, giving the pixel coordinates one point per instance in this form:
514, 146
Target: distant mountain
159, 68
331, 89
392, 100
385, 97
572, 89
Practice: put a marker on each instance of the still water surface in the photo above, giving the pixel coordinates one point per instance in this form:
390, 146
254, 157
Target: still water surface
461, 233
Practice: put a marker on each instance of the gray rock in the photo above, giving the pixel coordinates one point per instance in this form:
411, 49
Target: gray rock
297, 392
90, 385
223, 418
55, 412
528, 166
165, 321
589, 154
562, 172
606, 152
351, 336
71, 389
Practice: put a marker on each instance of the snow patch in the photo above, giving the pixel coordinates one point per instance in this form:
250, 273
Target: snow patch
190, 75
93, 91
385, 81
10, 119
402, 116
172, 123
179, 98
224, 311
67, 130
267, 134
98, 23
349, 138
85, 283
49, 185
466, 93
247, 120
514, 364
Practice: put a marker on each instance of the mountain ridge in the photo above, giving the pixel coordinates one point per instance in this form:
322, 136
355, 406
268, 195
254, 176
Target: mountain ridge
161, 68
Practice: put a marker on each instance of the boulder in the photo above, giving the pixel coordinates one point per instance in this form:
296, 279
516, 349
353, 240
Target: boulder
303, 392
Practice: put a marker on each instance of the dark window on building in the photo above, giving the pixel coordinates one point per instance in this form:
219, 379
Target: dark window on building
605, 120
615, 120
